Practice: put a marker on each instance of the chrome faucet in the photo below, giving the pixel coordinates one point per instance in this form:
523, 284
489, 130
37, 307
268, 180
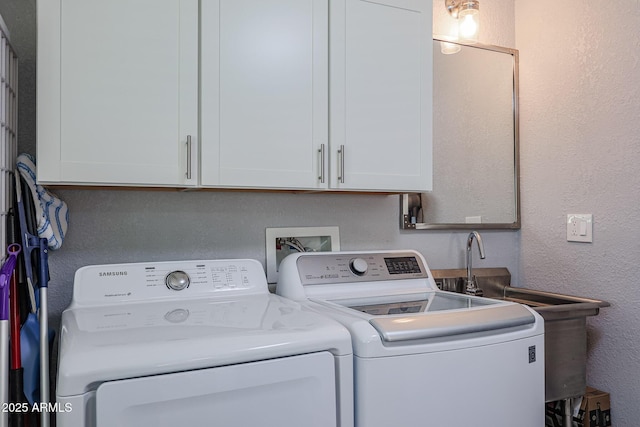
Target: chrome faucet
472, 287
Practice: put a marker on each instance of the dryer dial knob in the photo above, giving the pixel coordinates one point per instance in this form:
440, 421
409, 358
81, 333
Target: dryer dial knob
177, 280
358, 266
178, 315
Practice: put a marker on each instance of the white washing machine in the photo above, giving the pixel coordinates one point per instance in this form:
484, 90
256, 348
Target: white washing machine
197, 343
424, 357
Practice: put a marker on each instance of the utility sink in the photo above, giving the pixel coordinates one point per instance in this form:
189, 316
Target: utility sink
550, 305
565, 317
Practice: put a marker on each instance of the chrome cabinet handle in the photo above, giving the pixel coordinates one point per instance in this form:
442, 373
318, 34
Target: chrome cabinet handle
321, 154
188, 157
341, 163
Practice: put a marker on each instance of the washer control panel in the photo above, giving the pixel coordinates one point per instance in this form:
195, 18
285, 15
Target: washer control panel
328, 268
359, 266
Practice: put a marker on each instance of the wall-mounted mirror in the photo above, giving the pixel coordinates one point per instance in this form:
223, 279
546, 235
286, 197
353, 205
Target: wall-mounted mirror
475, 142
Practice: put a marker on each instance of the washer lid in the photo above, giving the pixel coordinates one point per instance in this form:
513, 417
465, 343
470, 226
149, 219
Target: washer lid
450, 323
120, 341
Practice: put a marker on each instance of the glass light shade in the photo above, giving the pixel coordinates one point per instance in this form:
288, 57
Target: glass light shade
469, 25
447, 48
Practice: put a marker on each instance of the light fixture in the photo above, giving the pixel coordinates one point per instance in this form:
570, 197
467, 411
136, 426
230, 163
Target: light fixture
467, 12
448, 48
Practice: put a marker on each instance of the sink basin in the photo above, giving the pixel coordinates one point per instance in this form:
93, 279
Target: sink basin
565, 328
495, 283
550, 305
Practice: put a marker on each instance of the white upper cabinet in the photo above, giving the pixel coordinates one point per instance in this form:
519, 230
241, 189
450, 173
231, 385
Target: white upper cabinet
117, 92
272, 94
268, 71
264, 82
381, 95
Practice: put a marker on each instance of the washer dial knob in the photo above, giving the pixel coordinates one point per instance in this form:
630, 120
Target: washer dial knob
358, 266
177, 280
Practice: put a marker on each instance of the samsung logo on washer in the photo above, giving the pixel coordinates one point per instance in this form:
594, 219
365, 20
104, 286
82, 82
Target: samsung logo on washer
111, 273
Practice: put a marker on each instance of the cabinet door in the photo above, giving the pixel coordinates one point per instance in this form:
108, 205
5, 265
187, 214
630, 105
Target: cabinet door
264, 78
117, 91
381, 91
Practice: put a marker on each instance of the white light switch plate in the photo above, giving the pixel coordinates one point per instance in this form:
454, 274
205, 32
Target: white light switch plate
580, 228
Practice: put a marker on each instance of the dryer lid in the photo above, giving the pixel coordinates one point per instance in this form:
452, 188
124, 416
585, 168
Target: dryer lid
120, 341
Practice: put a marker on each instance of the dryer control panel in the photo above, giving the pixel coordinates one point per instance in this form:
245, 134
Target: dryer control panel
117, 283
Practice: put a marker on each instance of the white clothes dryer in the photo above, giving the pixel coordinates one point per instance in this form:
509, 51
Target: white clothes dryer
166, 344
422, 356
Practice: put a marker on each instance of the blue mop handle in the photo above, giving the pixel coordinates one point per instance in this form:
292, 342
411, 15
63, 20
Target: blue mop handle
44, 330
44, 263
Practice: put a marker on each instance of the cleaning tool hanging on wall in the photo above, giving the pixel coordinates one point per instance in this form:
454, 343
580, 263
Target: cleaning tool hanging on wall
5, 278
52, 214
18, 305
35, 336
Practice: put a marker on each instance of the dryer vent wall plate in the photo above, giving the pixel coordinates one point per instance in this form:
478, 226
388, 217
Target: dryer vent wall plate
281, 242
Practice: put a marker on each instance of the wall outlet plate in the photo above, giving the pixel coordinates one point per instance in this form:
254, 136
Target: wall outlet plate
473, 220
580, 228
281, 242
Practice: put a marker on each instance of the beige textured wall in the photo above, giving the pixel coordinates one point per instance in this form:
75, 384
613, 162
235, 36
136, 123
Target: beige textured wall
580, 133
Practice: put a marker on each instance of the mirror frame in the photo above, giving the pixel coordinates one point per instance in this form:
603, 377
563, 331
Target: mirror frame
405, 222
